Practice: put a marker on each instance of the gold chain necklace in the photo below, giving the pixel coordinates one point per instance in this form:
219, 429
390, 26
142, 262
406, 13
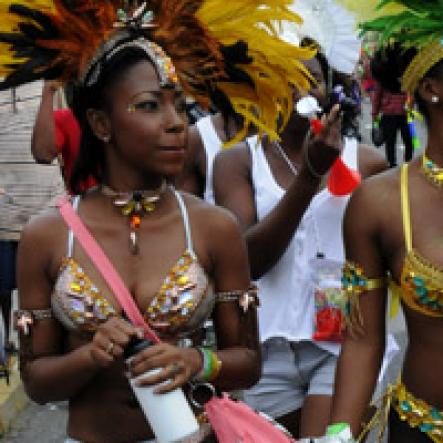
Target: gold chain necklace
135, 204
431, 171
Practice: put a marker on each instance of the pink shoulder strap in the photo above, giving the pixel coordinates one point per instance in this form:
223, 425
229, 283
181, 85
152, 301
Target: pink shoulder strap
103, 264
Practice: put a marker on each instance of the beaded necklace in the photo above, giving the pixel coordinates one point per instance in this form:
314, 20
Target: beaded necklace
294, 171
135, 204
431, 171
282, 153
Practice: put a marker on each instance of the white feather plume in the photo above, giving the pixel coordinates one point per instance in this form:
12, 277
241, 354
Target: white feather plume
332, 26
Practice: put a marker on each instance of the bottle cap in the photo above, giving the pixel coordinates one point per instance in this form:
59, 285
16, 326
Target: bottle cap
135, 346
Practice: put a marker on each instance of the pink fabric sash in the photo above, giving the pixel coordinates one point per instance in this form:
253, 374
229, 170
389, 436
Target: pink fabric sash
103, 264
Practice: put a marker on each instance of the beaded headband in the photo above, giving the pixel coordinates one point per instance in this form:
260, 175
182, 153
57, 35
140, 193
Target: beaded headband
141, 19
161, 61
425, 59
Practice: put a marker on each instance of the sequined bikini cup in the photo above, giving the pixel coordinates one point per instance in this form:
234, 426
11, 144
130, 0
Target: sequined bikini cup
184, 289
422, 285
421, 281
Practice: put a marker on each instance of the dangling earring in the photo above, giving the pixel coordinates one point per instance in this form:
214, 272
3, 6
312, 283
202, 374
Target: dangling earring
435, 99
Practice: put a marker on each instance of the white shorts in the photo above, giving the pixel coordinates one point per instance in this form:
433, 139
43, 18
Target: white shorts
291, 372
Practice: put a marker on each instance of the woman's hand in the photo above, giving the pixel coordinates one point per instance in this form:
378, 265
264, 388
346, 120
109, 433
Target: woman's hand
50, 87
111, 339
177, 366
322, 150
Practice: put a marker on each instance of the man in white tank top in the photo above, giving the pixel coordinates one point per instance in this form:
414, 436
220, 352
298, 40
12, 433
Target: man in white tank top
277, 193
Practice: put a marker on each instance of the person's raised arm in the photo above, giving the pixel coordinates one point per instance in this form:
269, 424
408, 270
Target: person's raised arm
43, 142
363, 348
268, 239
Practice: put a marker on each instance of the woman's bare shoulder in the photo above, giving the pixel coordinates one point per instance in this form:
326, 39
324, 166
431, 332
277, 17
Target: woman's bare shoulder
237, 154
377, 197
44, 229
209, 217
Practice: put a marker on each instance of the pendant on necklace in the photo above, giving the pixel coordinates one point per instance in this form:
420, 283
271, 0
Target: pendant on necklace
135, 205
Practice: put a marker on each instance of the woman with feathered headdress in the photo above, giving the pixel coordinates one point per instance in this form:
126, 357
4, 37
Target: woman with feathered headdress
393, 230
180, 259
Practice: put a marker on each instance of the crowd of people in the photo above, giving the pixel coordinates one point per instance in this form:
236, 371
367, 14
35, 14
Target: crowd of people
267, 224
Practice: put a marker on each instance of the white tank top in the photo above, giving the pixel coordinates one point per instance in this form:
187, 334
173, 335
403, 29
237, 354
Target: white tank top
287, 306
212, 144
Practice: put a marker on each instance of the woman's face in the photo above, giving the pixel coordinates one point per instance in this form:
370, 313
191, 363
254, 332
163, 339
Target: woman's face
148, 123
318, 88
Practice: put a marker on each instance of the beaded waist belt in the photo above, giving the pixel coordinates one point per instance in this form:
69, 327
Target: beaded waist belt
414, 411
417, 413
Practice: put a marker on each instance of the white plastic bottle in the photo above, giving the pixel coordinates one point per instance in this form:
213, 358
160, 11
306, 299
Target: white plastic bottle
170, 416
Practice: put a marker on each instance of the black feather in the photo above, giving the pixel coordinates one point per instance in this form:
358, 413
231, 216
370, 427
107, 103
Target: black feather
39, 17
32, 31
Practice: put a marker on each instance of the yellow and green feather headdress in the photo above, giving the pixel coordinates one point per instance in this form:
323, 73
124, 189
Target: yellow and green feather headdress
414, 24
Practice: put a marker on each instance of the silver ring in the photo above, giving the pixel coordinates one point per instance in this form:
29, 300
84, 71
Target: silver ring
175, 368
110, 348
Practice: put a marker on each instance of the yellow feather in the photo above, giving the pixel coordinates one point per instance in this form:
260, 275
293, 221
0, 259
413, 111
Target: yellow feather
277, 66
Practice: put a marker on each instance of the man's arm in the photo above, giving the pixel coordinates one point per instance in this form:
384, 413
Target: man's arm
371, 161
43, 143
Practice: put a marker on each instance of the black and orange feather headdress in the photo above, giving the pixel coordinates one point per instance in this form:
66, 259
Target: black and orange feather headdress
212, 47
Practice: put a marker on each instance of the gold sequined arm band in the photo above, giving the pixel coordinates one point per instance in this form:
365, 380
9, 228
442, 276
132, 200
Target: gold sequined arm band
354, 283
354, 279
244, 297
25, 319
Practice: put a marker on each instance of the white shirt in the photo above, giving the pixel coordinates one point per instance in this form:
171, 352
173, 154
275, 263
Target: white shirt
212, 145
287, 302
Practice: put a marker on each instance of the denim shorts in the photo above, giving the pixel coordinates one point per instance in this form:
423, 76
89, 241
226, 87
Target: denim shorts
291, 372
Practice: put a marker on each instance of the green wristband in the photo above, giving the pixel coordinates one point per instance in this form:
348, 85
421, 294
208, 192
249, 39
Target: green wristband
336, 428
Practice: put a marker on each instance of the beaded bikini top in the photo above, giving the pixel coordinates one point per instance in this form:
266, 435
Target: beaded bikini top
183, 302
421, 283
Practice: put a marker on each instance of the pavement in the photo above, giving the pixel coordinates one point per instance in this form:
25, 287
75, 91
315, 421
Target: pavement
12, 398
22, 421
39, 424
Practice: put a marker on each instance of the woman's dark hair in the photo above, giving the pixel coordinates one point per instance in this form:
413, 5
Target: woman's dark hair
388, 66
350, 126
69, 91
321, 58
90, 162
234, 55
